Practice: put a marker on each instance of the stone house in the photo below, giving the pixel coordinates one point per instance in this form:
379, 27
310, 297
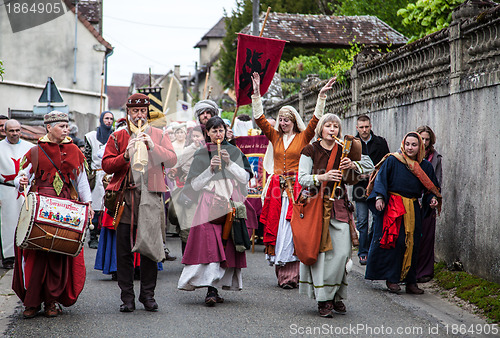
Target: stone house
68, 48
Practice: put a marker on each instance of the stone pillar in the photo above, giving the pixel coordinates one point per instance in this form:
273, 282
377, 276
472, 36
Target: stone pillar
458, 56
355, 90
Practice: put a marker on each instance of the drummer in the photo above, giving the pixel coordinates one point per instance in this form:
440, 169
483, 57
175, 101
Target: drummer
55, 167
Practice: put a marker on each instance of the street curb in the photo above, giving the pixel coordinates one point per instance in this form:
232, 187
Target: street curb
441, 310
8, 300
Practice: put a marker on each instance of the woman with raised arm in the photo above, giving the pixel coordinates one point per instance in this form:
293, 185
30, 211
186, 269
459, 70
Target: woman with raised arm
286, 140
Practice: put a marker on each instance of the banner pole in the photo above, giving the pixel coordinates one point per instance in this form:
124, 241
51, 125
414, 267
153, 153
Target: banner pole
234, 116
265, 21
206, 82
165, 105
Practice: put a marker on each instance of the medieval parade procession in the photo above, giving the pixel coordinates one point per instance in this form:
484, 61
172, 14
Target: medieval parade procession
249, 168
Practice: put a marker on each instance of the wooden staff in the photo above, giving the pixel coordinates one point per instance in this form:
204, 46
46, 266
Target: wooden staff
265, 21
234, 116
168, 95
206, 82
218, 152
209, 92
260, 35
102, 88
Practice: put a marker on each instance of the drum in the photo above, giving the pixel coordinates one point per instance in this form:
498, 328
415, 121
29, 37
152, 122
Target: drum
52, 224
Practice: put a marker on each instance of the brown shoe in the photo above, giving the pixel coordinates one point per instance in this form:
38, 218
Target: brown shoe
169, 257
414, 289
52, 309
325, 309
339, 307
31, 312
424, 279
393, 287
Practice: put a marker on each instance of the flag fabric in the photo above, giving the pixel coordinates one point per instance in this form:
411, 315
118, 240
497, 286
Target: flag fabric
255, 54
154, 94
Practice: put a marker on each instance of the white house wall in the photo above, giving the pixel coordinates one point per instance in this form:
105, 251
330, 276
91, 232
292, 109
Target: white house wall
32, 55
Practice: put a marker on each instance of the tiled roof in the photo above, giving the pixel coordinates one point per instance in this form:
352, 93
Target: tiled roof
217, 31
91, 10
142, 80
117, 96
329, 31
32, 133
89, 26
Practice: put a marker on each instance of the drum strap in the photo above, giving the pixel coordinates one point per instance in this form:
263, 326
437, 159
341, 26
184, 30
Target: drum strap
59, 171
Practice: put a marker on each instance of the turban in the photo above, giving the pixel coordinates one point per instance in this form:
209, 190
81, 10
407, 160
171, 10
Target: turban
206, 105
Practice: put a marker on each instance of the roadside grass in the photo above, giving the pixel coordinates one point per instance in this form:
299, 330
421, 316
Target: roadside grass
482, 293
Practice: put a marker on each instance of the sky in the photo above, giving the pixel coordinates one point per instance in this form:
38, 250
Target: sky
157, 33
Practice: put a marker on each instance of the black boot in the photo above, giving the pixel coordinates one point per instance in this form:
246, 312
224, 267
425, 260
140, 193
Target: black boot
94, 241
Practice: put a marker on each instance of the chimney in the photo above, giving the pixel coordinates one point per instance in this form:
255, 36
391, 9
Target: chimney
177, 71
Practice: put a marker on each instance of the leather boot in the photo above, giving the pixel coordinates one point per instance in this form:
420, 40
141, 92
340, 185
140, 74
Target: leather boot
414, 289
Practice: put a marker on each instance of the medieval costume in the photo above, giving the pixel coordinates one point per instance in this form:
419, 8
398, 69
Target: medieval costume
425, 262
326, 279
41, 276
209, 260
141, 226
282, 160
11, 199
400, 182
95, 142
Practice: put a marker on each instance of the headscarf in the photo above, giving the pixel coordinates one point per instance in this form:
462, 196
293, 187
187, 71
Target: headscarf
421, 150
103, 131
268, 162
412, 165
205, 105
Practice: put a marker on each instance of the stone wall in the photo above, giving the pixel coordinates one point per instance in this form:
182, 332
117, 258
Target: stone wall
450, 81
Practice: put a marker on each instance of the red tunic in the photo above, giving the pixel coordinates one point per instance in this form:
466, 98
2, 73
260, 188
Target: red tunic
161, 156
41, 276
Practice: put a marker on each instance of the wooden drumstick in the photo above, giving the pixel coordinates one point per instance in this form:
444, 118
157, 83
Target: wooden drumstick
25, 196
218, 151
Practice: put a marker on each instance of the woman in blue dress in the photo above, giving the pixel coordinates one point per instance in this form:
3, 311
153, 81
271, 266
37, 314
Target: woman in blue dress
394, 190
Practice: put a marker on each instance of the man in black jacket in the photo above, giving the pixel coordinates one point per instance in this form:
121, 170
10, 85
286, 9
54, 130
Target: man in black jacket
375, 147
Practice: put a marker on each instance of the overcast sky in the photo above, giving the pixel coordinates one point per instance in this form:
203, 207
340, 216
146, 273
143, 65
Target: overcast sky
157, 34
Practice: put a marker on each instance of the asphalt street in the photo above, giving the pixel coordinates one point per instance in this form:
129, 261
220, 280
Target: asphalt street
260, 309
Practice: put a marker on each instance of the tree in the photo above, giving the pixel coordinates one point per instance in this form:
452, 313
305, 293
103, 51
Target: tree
384, 10
428, 16
2, 70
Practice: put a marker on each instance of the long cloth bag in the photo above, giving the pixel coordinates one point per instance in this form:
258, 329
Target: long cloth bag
150, 225
307, 221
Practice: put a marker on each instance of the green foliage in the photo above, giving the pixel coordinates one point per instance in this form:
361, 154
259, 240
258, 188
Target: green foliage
242, 16
2, 70
482, 293
243, 110
328, 63
427, 16
384, 10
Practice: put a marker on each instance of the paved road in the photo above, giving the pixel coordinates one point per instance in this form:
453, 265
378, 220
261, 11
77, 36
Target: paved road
261, 309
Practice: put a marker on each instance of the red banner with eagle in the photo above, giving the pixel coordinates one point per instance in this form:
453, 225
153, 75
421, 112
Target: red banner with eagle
255, 54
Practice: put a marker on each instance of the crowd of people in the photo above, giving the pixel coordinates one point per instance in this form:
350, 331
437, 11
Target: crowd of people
140, 182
